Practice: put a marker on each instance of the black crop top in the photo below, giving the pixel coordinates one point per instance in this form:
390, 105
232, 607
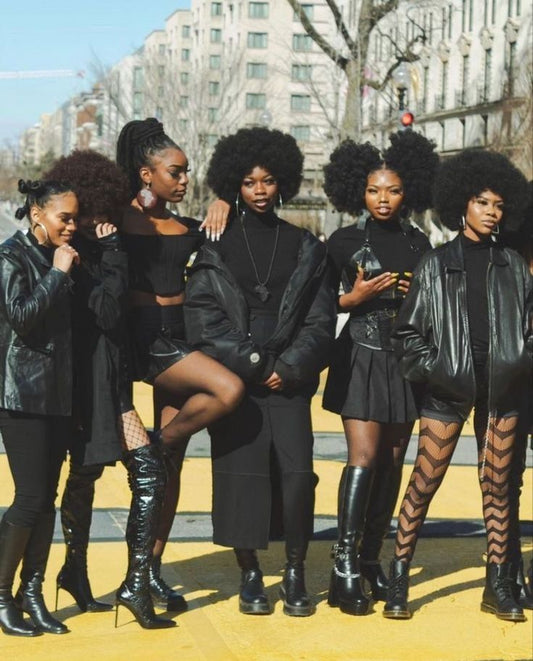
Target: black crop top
157, 261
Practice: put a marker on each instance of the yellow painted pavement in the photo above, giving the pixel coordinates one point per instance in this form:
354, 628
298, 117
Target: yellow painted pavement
446, 586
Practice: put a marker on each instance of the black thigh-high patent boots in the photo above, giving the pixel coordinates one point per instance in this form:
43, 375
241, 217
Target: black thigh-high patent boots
146, 477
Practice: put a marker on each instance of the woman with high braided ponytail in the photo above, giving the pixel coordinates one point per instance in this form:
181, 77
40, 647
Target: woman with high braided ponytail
191, 390
35, 393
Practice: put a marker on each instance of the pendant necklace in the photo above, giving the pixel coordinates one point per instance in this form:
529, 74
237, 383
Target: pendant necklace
261, 287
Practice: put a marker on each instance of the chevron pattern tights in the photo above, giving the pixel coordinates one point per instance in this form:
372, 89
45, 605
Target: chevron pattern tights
437, 442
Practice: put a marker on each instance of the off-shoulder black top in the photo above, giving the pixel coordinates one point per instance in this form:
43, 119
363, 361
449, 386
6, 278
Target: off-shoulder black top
157, 261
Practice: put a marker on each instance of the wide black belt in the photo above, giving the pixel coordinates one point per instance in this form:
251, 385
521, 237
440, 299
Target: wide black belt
373, 329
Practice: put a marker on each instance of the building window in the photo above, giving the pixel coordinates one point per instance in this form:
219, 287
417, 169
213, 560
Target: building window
256, 70
258, 10
308, 11
161, 71
300, 102
183, 123
257, 39
185, 54
511, 68
137, 78
137, 101
162, 49
214, 61
493, 12
465, 73
214, 88
216, 9
212, 114
302, 133
487, 75
301, 42
184, 77
215, 36
186, 31
425, 89
255, 101
444, 85
184, 101
301, 72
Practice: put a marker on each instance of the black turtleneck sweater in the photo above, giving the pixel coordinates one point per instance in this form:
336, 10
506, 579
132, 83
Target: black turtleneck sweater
476, 259
261, 233
47, 251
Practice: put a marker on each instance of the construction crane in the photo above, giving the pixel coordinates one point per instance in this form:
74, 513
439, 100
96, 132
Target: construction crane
45, 73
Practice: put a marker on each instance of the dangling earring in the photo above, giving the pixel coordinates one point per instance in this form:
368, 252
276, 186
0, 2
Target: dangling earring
146, 197
237, 208
463, 223
280, 201
36, 225
494, 233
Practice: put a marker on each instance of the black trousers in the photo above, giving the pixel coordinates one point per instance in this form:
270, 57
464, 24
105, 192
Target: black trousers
35, 447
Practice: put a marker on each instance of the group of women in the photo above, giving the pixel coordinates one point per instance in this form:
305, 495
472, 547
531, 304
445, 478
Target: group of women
94, 296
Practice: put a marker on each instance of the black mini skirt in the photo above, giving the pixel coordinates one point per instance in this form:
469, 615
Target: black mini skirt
156, 340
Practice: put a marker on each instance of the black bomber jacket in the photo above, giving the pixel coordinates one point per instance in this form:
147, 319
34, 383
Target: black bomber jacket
35, 331
217, 318
431, 335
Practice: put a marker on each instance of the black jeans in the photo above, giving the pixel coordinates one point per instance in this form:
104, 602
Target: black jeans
35, 447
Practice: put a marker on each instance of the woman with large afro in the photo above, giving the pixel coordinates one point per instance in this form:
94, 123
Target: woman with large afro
260, 301
106, 426
462, 333
374, 259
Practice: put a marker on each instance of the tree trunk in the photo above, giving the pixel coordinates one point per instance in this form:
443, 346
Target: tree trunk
351, 123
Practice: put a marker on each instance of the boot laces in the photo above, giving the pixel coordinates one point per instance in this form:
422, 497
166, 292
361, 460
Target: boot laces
398, 585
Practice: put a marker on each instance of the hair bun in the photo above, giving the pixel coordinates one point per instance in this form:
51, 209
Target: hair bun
29, 186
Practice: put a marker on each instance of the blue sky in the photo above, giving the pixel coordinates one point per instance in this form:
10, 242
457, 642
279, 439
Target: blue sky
61, 34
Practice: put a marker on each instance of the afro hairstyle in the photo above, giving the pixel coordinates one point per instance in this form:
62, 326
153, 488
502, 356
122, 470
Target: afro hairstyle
237, 155
100, 186
410, 155
469, 173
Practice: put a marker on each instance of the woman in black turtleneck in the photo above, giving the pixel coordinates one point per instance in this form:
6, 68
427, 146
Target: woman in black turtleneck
260, 302
462, 332
374, 260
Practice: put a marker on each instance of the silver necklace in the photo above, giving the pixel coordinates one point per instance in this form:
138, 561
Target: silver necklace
261, 287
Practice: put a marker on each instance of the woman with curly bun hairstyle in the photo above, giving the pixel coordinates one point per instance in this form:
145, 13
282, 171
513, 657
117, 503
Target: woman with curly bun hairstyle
462, 333
373, 260
106, 426
260, 302
191, 390
35, 393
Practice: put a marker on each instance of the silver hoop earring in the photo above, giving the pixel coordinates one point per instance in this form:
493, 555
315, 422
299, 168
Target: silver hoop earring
47, 237
237, 208
280, 201
495, 230
463, 223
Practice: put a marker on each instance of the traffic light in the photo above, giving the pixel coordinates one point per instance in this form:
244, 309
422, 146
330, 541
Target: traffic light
407, 119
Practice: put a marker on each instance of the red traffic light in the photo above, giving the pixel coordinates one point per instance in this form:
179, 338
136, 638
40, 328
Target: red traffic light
407, 119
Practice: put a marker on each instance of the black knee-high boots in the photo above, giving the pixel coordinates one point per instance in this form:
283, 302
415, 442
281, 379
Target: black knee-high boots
76, 516
29, 597
146, 477
383, 497
345, 589
13, 541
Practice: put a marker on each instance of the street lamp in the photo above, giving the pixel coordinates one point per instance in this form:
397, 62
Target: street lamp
401, 77
265, 118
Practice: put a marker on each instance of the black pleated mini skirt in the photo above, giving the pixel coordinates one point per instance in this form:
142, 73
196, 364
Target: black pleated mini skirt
366, 384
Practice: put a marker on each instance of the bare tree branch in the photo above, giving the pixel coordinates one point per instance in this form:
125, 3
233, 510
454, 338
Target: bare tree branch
341, 26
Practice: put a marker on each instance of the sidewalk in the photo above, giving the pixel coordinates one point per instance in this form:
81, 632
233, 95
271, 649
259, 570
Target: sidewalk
447, 580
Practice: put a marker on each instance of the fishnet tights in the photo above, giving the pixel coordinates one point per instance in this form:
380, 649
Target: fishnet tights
133, 431
437, 443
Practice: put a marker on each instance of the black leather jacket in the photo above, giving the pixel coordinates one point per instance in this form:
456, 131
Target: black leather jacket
217, 318
431, 336
35, 335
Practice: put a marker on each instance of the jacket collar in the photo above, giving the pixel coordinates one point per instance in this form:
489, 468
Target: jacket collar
454, 258
22, 239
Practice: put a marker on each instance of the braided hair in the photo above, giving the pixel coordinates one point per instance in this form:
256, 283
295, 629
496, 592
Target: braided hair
138, 142
410, 155
38, 193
